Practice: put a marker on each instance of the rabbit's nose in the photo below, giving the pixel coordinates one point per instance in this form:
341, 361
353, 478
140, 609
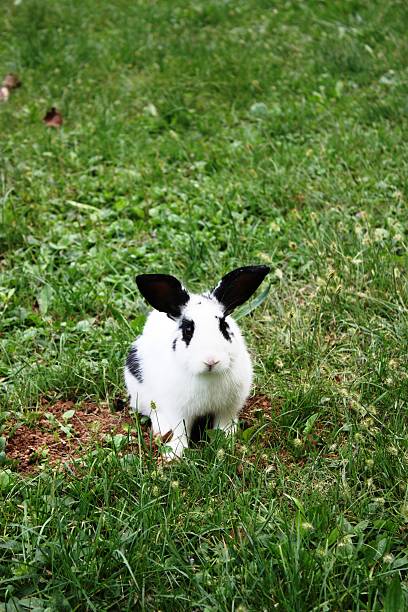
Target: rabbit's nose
210, 362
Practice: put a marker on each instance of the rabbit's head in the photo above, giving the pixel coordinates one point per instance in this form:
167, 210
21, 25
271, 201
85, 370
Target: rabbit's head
205, 339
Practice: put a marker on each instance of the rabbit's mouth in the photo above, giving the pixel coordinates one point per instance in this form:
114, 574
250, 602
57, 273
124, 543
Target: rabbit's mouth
217, 369
211, 364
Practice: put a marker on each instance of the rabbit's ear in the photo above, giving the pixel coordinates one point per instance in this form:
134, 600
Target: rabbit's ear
163, 292
237, 286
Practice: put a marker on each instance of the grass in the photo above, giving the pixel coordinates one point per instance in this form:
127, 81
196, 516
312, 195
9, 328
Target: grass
197, 137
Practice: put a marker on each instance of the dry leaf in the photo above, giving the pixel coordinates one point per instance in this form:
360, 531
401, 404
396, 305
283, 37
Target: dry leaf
163, 439
167, 436
11, 81
4, 94
53, 118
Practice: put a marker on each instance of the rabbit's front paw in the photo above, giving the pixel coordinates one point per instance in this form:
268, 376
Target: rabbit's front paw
175, 441
227, 424
174, 448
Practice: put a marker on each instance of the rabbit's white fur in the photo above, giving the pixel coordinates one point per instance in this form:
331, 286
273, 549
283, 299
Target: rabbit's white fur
211, 374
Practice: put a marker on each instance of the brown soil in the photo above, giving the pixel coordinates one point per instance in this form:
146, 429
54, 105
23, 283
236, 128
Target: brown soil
29, 446
256, 406
91, 424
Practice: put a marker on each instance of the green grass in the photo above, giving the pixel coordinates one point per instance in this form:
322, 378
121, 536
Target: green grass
199, 136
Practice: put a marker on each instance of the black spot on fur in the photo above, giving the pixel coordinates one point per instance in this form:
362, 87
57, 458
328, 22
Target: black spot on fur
174, 344
119, 404
200, 426
225, 330
133, 364
187, 330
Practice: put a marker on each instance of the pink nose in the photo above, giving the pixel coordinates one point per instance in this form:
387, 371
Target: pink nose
210, 362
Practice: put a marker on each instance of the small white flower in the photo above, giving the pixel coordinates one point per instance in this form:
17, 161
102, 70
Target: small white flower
367, 423
4, 94
151, 110
404, 511
307, 526
380, 234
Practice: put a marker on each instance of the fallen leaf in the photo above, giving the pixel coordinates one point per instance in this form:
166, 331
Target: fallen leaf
53, 118
44, 298
4, 94
167, 436
11, 81
163, 439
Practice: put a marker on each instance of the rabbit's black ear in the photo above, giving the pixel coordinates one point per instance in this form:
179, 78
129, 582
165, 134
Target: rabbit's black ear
164, 292
237, 286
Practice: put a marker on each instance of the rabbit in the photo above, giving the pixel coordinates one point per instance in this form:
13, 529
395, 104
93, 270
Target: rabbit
191, 359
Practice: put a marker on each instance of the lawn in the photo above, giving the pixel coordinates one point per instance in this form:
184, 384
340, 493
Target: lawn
198, 137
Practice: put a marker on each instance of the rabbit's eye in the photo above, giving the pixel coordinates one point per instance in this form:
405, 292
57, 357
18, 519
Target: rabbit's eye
187, 330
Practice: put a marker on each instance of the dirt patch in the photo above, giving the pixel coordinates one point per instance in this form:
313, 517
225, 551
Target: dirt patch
91, 424
259, 406
63, 431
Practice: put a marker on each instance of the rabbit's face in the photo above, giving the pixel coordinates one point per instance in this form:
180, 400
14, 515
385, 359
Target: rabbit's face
205, 338
204, 341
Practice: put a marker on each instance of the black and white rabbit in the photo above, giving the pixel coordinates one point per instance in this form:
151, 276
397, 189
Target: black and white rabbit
191, 359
